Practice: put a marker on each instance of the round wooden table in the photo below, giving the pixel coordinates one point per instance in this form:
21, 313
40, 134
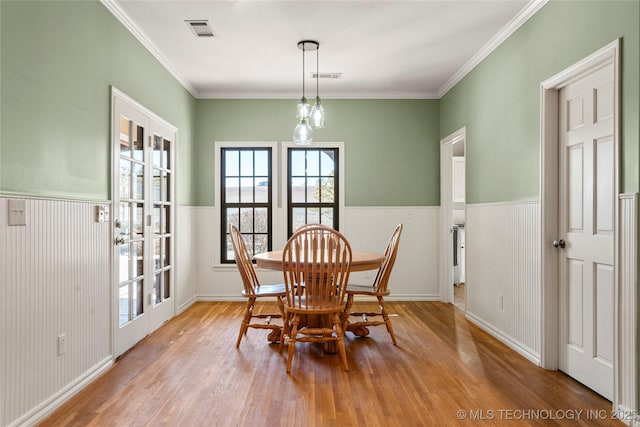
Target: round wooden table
360, 261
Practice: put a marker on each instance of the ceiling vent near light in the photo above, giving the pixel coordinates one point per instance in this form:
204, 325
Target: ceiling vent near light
200, 28
326, 75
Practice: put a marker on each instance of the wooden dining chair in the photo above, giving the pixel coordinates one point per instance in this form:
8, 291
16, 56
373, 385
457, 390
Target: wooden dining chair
315, 262
254, 290
379, 289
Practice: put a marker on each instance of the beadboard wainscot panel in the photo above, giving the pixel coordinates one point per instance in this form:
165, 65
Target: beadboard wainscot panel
186, 274
415, 273
55, 275
503, 264
625, 395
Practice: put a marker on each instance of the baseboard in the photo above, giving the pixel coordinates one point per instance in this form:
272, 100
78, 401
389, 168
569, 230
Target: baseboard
54, 402
505, 339
186, 305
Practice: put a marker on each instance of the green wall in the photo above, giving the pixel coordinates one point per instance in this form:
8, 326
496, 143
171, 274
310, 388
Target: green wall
59, 59
499, 101
392, 153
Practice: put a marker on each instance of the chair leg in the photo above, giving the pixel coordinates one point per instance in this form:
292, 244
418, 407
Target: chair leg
245, 320
292, 341
286, 329
340, 334
387, 320
346, 312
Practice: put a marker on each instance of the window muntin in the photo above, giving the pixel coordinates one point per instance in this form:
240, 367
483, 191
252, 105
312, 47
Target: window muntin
312, 187
246, 199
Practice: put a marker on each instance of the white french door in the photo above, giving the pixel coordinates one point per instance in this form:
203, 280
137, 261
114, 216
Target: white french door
143, 212
587, 225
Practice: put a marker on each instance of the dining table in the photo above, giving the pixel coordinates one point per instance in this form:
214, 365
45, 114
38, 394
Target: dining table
360, 261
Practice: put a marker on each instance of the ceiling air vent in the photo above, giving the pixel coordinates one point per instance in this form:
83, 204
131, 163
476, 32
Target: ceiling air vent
200, 28
326, 75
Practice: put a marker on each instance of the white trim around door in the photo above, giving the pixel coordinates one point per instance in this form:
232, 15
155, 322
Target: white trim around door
549, 184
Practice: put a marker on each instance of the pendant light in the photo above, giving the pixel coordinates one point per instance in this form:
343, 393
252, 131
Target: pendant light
303, 133
316, 116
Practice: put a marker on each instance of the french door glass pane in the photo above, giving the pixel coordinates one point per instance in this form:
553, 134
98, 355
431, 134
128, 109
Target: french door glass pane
123, 304
138, 219
167, 284
164, 193
138, 259
138, 143
124, 263
166, 252
125, 137
157, 297
138, 185
125, 179
137, 298
157, 222
125, 219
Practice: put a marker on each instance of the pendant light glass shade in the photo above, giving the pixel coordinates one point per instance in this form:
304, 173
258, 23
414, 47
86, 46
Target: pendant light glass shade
304, 109
307, 116
316, 116
303, 134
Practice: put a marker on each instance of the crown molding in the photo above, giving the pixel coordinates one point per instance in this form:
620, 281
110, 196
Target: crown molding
334, 95
115, 9
516, 22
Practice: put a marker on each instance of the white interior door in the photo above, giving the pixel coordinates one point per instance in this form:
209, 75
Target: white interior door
142, 222
587, 224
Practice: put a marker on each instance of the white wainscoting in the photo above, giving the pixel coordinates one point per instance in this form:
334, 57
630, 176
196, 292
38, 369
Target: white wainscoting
185, 259
415, 275
625, 395
55, 276
503, 263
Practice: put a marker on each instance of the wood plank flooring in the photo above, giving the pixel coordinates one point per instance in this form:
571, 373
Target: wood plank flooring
444, 372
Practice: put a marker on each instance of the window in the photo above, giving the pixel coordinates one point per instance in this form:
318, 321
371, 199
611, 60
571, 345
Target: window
246, 198
312, 187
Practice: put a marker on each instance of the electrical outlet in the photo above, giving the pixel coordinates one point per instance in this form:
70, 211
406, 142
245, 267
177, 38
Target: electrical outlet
17, 212
62, 344
501, 301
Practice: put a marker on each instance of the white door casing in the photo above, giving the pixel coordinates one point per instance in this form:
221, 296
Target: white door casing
586, 230
550, 231
143, 221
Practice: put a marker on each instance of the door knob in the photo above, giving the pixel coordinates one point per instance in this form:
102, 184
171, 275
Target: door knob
559, 244
119, 240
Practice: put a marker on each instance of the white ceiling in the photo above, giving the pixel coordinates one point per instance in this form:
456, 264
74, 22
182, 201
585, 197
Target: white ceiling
384, 49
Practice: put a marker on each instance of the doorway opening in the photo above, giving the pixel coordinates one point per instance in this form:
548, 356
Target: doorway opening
452, 218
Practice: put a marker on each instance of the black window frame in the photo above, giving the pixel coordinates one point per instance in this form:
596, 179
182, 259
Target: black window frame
335, 205
225, 243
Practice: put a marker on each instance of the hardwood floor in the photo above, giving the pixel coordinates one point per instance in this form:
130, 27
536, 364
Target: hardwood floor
444, 369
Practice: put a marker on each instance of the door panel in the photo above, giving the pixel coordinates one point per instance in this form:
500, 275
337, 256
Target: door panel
586, 223
143, 221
